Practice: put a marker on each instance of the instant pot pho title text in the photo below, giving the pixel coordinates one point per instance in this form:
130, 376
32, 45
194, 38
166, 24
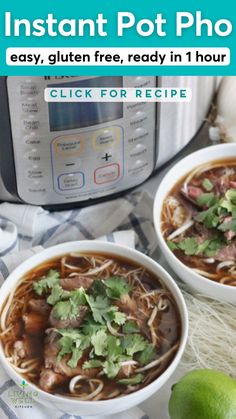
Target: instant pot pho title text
123, 21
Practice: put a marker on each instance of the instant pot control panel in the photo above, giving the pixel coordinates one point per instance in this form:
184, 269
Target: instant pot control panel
71, 152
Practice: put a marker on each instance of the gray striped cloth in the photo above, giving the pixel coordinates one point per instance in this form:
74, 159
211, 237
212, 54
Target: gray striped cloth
25, 230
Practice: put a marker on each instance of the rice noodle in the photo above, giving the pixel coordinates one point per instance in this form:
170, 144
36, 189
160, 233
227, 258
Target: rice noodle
181, 229
74, 381
153, 315
90, 396
204, 273
131, 362
162, 305
212, 338
159, 360
225, 263
24, 370
97, 270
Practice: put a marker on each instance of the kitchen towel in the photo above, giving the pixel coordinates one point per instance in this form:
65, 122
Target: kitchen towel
25, 230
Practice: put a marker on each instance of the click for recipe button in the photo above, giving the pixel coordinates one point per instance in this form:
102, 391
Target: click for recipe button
106, 174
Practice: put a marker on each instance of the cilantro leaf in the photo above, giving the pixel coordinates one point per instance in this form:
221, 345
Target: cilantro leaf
73, 334
98, 288
99, 307
203, 246
208, 217
130, 327
116, 287
47, 282
147, 355
66, 345
172, 246
78, 296
111, 368
76, 355
119, 317
231, 195
65, 310
213, 247
229, 225
114, 349
189, 246
207, 199
57, 294
99, 342
136, 379
92, 363
90, 327
72, 342
228, 205
133, 343
207, 185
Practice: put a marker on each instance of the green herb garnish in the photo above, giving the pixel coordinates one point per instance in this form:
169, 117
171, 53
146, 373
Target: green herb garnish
136, 379
207, 185
47, 282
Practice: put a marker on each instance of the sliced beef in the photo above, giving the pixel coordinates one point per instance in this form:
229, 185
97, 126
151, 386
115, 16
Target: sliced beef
73, 282
232, 184
227, 253
39, 306
34, 323
72, 323
203, 233
192, 193
49, 379
27, 347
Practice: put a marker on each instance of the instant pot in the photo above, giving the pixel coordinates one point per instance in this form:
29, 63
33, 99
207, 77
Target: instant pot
64, 154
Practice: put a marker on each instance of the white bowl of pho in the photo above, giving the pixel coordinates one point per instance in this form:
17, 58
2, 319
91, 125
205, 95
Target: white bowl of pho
195, 220
93, 328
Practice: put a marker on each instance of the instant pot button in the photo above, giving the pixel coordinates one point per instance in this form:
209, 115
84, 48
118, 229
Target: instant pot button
31, 123
136, 106
138, 119
138, 167
39, 190
31, 139
29, 88
71, 145
29, 106
33, 156
139, 163
139, 134
106, 156
34, 173
138, 151
141, 81
70, 181
107, 174
107, 137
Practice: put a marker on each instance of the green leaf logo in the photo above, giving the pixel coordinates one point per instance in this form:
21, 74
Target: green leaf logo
23, 384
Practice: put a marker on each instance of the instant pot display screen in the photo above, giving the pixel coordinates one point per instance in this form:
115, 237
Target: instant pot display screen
66, 116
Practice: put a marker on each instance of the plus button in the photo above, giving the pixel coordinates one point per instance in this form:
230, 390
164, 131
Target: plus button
106, 157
